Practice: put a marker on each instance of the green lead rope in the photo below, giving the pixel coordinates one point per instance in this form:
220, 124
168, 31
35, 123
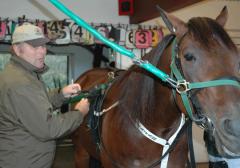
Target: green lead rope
144, 64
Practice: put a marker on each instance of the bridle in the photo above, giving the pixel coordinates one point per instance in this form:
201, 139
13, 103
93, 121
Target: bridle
185, 88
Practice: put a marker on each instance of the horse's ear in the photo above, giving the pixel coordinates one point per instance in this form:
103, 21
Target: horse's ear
222, 17
175, 25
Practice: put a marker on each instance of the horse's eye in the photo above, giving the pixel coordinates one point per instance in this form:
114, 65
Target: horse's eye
189, 57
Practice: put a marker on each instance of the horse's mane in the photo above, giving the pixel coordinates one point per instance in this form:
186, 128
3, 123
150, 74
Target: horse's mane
137, 94
206, 30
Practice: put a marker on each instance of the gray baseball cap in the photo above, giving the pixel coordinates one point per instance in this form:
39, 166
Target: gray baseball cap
30, 34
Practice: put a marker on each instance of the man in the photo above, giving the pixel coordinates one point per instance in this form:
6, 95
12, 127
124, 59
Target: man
28, 126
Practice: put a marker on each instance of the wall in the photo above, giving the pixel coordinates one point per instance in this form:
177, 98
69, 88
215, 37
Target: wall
209, 8
103, 11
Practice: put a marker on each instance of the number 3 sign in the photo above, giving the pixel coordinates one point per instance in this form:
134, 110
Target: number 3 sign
143, 38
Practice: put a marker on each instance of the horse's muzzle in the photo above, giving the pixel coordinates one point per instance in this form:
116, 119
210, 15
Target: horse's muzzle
229, 136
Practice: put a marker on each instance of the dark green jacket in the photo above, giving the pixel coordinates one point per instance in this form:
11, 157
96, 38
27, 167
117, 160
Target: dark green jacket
28, 127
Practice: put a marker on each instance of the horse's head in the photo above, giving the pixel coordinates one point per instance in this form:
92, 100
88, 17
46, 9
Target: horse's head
205, 52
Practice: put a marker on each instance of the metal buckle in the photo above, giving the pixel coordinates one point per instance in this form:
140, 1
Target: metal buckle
206, 124
182, 86
139, 61
172, 82
111, 75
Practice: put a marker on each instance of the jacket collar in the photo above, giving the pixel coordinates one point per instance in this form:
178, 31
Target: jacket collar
26, 65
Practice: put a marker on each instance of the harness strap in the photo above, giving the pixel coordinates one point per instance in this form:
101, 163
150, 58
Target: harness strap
165, 143
184, 127
192, 163
100, 113
219, 82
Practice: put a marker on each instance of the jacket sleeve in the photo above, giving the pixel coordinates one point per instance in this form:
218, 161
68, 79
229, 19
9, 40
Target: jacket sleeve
34, 112
56, 98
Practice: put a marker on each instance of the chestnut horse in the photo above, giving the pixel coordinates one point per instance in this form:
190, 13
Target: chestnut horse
149, 113
88, 80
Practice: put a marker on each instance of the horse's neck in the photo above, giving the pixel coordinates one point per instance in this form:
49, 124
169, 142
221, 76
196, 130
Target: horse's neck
166, 109
145, 98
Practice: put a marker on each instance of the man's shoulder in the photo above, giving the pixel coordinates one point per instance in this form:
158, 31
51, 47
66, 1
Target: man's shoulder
12, 76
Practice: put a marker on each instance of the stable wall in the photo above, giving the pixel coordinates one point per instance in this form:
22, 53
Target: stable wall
103, 11
210, 8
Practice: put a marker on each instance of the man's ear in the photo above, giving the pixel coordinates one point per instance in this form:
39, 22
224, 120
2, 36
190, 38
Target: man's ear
222, 17
174, 24
16, 49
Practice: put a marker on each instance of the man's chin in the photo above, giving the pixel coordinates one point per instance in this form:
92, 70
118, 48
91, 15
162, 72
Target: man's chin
40, 66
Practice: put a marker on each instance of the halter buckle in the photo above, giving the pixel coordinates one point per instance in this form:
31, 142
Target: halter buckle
111, 75
182, 86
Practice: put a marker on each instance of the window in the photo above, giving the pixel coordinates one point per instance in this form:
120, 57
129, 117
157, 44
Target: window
58, 73
4, 58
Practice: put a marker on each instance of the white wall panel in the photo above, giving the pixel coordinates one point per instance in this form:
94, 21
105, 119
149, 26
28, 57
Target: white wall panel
97, 11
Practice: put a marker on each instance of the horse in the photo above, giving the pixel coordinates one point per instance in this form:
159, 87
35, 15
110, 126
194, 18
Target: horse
148, 115
88, 80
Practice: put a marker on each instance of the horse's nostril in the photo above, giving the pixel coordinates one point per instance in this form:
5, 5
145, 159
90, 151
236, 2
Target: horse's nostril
231, 127
227, 126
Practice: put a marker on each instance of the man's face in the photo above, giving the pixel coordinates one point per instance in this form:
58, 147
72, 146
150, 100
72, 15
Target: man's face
33, 55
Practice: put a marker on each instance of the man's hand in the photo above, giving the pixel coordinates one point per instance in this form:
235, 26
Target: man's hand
82, 106
71, 90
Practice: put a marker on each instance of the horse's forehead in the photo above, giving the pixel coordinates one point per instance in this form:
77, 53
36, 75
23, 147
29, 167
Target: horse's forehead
213, 57
213, 46
209, 34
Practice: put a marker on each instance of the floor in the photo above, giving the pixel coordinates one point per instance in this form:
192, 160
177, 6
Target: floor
64, 158
202, 165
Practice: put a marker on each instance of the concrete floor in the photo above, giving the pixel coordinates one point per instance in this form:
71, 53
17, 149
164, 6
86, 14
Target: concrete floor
202, 165
65, 159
